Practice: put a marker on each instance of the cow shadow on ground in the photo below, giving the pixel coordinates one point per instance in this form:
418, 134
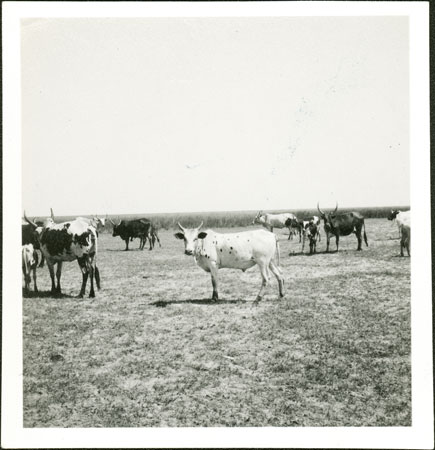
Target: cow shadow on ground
199, 301
45, 294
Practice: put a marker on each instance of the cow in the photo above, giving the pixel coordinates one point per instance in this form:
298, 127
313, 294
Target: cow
130, 229
153, 234
69, 241
213, 251
271, 221
401, 217
29, 236
29, 264
98, 223
342, 225
311, 231
302, 226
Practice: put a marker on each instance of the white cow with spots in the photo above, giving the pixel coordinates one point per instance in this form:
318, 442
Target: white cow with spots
271, 221
213, 251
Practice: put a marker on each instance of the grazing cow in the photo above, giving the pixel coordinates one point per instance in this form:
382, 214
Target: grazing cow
213, 251
271, 221
153, 234
69, 241
302, 225
29, 263
342, 225
401, 217
130, 229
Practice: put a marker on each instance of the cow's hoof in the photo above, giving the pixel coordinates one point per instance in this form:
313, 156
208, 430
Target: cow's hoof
91, 294
80, 295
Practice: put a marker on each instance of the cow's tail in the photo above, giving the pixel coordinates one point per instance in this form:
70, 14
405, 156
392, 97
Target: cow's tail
365, 236
277, 252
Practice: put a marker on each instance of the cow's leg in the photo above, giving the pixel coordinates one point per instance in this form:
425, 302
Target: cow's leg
41, 264
150, 240
303, 241
265, 280
50, 266
91, 266
97, 277
84, 269
126, 244
275, 270
289, 233
58, 275
328, 238
35, 287
401, 246
337, 239
214, 281
358, 236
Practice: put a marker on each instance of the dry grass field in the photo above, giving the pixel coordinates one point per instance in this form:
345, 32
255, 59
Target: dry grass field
151, 350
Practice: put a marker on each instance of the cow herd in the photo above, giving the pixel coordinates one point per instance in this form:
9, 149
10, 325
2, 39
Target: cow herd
78, 240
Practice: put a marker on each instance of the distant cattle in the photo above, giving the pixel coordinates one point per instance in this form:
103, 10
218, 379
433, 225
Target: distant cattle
302, 226
69, 241
311, 231
213, 251
130, 229
153, 234
271, 221
99, 223
29, 263
343, 225
403, 220
401, 217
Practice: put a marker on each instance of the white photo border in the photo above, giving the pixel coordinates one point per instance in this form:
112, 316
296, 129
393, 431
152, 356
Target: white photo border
419, 435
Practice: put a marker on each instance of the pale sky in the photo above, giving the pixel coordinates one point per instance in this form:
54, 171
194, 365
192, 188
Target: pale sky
208, 114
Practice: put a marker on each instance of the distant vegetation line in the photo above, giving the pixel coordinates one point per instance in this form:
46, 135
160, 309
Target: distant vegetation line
228, 219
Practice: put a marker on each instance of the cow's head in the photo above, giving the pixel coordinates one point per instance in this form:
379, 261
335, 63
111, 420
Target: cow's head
190, 237
116, 228
259, 218
393, 214
37, 228
327, 217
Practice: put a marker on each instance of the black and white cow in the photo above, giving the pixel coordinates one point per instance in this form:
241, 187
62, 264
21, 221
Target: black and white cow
29, 263
69, 241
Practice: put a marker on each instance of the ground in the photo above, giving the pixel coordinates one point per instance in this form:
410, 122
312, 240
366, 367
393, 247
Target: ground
152, 350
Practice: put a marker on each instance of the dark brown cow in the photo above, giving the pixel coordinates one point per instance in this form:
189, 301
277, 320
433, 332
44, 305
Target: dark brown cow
343, 225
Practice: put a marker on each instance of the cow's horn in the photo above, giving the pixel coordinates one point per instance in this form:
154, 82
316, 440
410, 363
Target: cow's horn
113, 223
29, 221
52, 214
202, 223
320, 211
336, 207
180, 227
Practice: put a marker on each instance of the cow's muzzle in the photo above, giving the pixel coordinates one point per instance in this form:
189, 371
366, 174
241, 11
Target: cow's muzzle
188, 252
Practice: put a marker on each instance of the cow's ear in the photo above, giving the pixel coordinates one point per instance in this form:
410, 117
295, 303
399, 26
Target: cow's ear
202, 235
179, 235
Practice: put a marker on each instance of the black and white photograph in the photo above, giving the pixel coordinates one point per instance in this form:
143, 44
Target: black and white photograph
215, 204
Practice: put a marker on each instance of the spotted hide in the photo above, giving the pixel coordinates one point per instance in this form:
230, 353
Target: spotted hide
69, 241
213, 251
271, 221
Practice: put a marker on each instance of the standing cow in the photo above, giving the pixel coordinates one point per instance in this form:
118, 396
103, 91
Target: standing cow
213, 251
271, 221
130, 229
153, 234
343, 225
69, 241
29, 236
302, 226
29, 263
403, 219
